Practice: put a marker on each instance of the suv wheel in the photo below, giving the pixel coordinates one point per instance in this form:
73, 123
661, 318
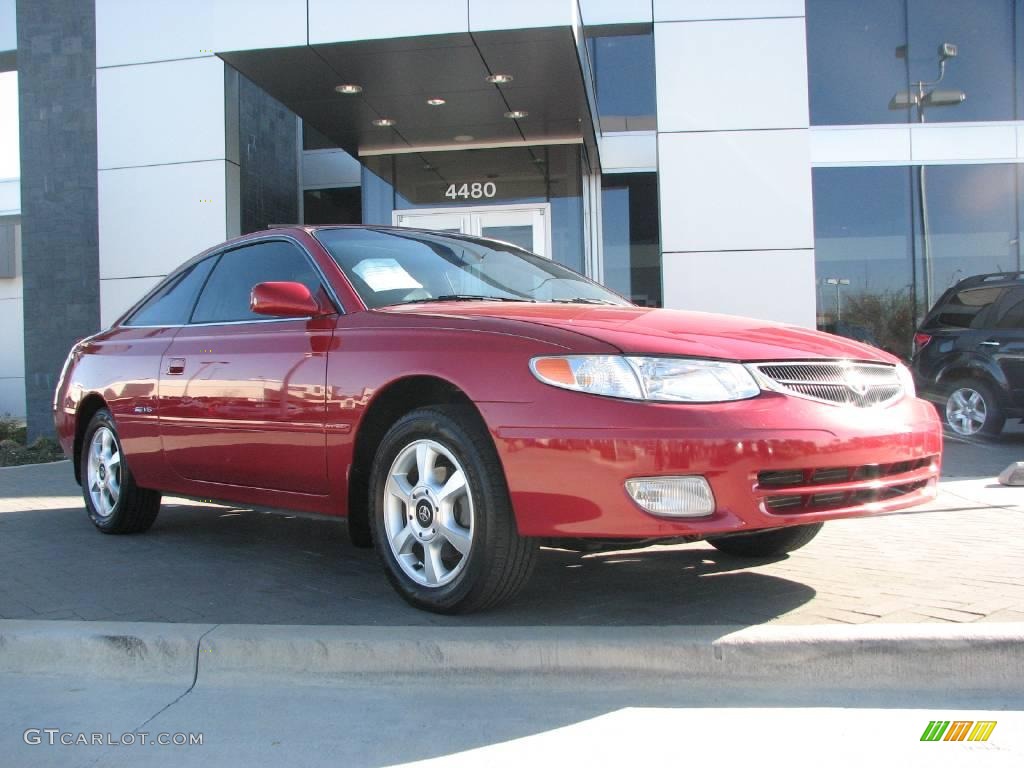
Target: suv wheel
441, 517
972, 408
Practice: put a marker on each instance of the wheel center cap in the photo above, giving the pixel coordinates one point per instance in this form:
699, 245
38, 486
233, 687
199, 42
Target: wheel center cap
424, 513
102, 471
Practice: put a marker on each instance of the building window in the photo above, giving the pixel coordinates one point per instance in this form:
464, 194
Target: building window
865, 61
622, 59
885, 252
632, 247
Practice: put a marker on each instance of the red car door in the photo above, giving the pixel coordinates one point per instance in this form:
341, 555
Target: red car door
242, 396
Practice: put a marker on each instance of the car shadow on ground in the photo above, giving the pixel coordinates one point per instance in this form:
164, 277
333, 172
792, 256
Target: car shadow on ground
224, 565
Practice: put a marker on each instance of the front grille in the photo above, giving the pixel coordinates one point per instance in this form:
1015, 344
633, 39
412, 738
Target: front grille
792, 491
838, 382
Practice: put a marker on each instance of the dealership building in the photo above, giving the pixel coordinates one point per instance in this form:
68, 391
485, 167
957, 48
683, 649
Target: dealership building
829, 163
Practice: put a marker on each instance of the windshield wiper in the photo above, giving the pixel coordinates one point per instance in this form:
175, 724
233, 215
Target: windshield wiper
464, 297
584, 301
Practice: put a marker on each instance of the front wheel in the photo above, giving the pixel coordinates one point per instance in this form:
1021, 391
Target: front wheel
442, 520
114, 502
766, 543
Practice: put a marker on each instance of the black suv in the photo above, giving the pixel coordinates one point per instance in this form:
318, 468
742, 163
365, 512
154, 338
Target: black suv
969, 353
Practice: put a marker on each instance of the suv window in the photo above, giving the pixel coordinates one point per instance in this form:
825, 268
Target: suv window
966, 308
1013, 318
171, 303
226, 295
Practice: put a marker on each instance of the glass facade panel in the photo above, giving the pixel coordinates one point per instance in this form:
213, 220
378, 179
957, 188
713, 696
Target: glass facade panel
852, 67
863, 242
889, 241
632, 247
623, 68
866, 59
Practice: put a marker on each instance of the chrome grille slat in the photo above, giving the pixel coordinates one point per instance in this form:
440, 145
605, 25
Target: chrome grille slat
836, 382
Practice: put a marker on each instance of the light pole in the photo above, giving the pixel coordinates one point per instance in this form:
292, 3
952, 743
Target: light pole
921, 95
838, 282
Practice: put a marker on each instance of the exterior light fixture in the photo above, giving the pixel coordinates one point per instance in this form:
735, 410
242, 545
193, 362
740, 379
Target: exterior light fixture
516, 114
463, 137
499, 79
348, 88
383, 122
436, 102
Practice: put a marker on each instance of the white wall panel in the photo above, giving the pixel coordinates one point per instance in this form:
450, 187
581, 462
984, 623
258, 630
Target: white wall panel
152, 219
10, 197
169, 112
616, 11
768, 285
137, 31
118, 295
629, 152
732, 75
936, 143
12, 396
334, 21
520, 14
12, 338
876, 144
736, 190
693, 10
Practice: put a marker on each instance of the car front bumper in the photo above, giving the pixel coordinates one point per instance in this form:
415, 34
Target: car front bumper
567, 462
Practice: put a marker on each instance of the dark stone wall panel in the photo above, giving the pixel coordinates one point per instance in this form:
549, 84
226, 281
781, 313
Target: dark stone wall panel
60, 249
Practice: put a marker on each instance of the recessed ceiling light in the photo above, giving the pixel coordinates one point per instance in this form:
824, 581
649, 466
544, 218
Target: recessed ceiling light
516, 114
499, 79
436, 102
383, 122
463, 137
348, 88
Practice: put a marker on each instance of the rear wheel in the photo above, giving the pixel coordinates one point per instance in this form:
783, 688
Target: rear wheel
766, 543
114, 502
442, 520
972, 408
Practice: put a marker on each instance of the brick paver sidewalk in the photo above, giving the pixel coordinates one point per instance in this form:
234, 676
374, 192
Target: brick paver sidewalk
962, 561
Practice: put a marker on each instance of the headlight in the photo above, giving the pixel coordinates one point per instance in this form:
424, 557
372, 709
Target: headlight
906, 378
664, 379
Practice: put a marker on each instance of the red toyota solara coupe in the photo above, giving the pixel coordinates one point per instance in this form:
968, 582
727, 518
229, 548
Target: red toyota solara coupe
462, 401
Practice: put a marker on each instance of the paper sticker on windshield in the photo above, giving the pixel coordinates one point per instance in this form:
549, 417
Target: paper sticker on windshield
385, 275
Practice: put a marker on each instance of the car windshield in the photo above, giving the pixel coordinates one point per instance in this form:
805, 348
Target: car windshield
388, 267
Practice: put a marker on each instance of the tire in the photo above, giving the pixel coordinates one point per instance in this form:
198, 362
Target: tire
766, 543
114, 502
447, 545
972, 409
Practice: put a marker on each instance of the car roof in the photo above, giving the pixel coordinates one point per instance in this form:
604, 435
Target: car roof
990, 279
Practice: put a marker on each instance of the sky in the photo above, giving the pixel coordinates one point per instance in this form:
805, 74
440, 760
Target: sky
10, 167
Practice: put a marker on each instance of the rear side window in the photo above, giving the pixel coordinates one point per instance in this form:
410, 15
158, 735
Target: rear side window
1013, 317
965, 309
225, 298
172, 302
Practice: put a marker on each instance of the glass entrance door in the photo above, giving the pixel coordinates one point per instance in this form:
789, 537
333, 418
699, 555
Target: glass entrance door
528, 227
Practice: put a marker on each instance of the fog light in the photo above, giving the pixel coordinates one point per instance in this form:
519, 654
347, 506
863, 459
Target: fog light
673, 496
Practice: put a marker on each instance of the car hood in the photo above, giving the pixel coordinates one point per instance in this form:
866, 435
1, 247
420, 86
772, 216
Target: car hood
641, 330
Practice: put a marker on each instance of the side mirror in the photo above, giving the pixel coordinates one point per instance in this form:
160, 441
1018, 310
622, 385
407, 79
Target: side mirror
283, 300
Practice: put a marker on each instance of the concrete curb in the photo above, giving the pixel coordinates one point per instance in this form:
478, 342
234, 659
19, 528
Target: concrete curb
985, 657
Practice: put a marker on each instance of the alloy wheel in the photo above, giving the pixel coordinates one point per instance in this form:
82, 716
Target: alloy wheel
428, 513
103, 473
966, 411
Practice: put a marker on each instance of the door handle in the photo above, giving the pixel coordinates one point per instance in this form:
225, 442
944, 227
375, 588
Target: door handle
990, 343
176, 366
